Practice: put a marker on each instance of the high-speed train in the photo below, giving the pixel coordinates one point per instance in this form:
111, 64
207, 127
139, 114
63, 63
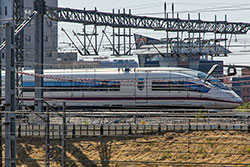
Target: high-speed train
167, 87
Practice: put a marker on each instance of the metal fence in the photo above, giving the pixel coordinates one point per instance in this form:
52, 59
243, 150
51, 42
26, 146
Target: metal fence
76, 131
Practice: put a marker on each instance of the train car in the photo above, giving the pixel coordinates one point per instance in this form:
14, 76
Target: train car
167, 87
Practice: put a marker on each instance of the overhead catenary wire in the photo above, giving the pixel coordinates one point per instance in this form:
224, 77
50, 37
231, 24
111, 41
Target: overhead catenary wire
75, 79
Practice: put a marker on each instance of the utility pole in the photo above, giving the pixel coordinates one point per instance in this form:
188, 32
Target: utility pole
39, 6
10, 98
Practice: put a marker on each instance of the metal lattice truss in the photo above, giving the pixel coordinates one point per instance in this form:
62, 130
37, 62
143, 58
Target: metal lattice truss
18, 19
93, 17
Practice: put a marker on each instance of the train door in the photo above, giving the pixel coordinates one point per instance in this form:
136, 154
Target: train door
141, 87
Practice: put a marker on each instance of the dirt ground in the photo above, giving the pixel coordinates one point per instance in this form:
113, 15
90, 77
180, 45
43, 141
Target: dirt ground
217, 148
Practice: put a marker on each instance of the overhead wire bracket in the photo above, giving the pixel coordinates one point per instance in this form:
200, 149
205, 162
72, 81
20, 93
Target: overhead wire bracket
20, 27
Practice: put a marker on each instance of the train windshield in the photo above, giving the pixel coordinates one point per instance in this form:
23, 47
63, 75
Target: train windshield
213, 81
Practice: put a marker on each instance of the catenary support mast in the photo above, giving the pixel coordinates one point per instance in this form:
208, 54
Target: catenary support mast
10, 99
39, 6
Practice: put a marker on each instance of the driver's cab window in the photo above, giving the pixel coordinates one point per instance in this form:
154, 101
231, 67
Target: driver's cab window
140, 84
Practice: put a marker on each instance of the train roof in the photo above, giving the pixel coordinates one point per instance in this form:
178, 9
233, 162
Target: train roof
112, 73
115, 70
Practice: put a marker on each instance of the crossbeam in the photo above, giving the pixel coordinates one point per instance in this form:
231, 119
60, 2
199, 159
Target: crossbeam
94, 17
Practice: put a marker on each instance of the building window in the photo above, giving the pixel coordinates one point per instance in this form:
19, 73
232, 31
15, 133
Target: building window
0, 11
50, 54
28, 38
6, 11
46, 39
27, 11
49, 23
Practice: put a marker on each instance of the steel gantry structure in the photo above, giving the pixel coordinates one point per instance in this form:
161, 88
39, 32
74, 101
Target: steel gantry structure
94, 17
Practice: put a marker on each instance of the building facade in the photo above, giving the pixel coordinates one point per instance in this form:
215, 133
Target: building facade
50, 33
241, 85
50, 37
245, 93
6, 10
5, 15
245, 87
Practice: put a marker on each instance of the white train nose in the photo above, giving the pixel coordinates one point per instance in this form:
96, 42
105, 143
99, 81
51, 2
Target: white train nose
238, 100
235, 97
227, 98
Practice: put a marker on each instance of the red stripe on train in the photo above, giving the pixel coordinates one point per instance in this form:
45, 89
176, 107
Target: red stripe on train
131, 98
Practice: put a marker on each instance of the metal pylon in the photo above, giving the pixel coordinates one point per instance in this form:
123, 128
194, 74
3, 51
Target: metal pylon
18, 19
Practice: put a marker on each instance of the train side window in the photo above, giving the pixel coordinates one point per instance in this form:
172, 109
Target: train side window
197, 87
140, 84
167, 86
203, 89
178, 86
28, 86
160, 86
193, 86
114, 85
91, 86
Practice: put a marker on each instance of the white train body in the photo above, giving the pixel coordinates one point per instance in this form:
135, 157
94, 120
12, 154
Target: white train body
137, 87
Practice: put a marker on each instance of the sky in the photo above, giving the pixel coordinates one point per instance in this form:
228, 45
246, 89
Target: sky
236, 11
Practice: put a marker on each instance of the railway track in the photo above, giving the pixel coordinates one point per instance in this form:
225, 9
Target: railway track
141, 113
138, 116
136, 122
160, 114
